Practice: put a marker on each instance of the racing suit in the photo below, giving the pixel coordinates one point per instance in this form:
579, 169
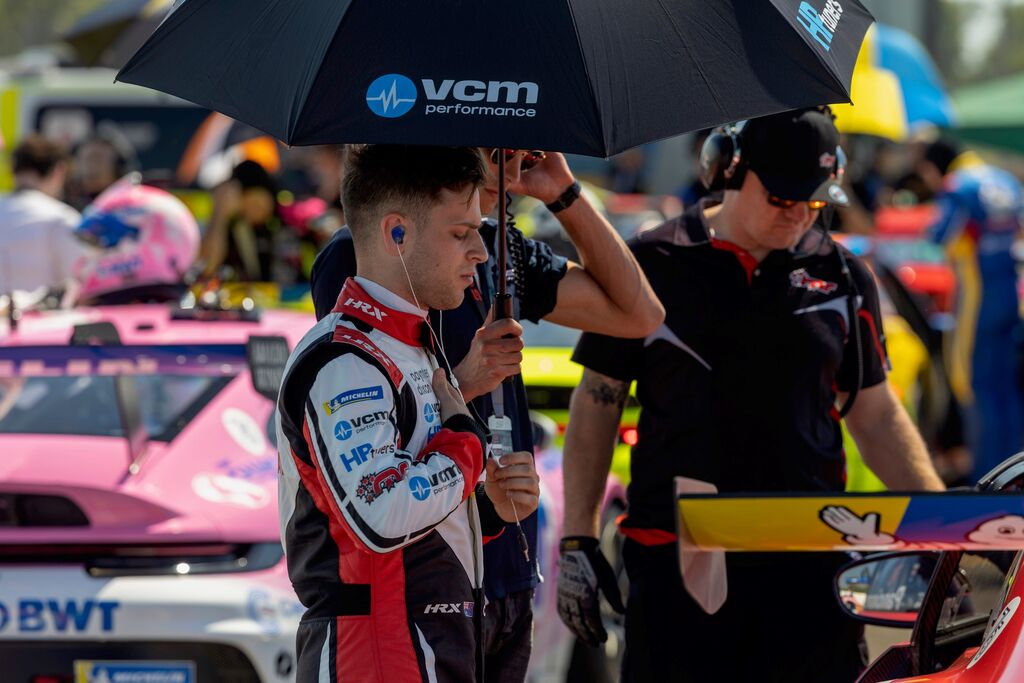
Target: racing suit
979, 219
382, 534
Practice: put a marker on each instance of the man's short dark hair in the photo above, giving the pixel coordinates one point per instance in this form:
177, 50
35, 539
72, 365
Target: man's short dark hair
380, 179
36, 154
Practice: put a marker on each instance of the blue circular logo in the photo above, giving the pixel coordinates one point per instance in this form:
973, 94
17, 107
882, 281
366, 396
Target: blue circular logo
342, 430
429, 412
420, 488
391, 96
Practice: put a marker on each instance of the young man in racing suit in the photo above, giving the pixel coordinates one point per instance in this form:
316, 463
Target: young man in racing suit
604, 292
380, 458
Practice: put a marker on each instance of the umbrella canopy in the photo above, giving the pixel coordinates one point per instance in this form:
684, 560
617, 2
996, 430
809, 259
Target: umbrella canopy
590, 77
991, 113
111, 33
896, 88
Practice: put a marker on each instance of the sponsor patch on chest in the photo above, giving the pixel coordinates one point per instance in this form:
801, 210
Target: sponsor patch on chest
801, 279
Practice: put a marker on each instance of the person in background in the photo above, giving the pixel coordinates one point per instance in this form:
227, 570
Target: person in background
979, 218
37, 243
247, 240
743, 388
97, 163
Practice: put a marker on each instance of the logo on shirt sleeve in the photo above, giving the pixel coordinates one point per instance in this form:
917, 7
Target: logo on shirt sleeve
354, 396
375, 484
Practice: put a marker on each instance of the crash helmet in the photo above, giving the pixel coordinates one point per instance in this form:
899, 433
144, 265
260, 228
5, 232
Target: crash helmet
144, 237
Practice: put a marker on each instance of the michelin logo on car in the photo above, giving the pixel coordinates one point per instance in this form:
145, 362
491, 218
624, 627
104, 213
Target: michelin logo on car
392, 96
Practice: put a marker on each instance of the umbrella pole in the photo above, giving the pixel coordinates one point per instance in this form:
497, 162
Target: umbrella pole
502, 300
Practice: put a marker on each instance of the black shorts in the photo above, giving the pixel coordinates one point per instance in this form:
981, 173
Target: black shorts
781, 622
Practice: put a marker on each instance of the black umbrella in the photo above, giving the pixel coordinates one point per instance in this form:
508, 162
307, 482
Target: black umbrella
590, 77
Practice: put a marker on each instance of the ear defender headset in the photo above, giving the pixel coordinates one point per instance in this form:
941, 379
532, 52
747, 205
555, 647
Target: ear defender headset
721, 158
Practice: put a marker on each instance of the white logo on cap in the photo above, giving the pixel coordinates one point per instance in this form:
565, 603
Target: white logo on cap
837, 194
827, 160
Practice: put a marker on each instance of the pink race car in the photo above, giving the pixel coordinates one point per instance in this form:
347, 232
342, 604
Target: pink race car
138, 497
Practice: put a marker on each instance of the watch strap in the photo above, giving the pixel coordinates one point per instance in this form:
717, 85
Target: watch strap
566, 199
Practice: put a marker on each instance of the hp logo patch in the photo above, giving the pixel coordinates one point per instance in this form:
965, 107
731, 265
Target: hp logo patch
420, 488
391, 96
429, 412
342, 430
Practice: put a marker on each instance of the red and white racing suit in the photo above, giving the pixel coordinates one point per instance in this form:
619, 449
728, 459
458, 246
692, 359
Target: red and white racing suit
382, 536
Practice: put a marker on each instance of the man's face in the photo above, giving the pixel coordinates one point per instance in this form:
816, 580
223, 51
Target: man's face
489, 190
768, 226
96, 166
930, 175
443, 250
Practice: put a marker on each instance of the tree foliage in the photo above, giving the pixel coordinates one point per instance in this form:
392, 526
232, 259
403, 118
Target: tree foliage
27, 23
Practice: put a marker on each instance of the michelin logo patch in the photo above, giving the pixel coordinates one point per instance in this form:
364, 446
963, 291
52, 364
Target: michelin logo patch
353, 396
134, 672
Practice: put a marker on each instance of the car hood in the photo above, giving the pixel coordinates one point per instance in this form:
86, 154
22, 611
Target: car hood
59, 460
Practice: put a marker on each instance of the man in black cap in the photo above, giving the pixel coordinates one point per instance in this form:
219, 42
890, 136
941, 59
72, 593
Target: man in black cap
742, 387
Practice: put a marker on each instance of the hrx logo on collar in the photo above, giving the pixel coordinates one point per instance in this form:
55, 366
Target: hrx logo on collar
366, 308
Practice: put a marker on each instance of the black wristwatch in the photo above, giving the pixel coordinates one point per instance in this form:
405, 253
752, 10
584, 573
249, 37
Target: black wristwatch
566, 199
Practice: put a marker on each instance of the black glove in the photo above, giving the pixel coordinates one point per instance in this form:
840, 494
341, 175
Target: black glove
582, 572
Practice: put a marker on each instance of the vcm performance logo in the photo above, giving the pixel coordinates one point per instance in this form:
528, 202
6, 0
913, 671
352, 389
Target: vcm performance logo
391, 96
821, 25
394, 95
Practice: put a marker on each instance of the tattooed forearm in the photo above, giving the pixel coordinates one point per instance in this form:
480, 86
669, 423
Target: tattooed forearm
606, 391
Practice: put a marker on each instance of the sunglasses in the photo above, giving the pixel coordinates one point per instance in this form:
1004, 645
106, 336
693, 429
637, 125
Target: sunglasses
531, 157
813, 205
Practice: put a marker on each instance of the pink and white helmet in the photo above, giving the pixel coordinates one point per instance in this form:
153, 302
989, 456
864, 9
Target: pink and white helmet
145, 235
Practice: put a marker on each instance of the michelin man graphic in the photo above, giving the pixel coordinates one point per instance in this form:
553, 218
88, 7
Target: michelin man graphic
1006, 532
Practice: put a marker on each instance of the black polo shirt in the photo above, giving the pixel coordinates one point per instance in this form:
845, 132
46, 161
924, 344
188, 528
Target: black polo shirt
738, 386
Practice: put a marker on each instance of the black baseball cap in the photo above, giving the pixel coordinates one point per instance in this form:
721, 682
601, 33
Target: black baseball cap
794, 155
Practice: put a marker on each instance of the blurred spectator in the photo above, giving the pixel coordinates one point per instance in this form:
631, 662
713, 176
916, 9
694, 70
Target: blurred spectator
37, 245
97, 163
247, 240
979, 218
325, 169
627, 171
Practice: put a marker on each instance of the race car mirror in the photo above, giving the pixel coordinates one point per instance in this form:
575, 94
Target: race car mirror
266, 357
886, 590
